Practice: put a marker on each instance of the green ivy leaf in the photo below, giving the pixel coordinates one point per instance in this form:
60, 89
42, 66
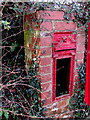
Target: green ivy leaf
1, 112
88, 108
6, 114
13, 46
7, 27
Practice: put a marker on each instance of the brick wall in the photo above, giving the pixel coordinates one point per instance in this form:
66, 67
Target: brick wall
53, 21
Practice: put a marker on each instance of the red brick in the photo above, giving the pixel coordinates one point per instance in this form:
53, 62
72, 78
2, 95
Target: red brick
76, 68
75, 65
80, 39
47, 113
66, 109
62, 103
80, 48
46, 26
80, 30
72, 15
46, 86
45, 61
75, 72
29, 17
79, 62
46, 78
46, 95
45, 70
47, 101
46, 51
47, 41
55, 15
28, 22
65, 26
35, 26
54, 112
76, 78
79, 56
59, 111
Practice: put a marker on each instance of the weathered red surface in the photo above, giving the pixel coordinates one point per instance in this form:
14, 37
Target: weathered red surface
87, 89
64, 40
51, 15
54, 23
65, 25
64, 47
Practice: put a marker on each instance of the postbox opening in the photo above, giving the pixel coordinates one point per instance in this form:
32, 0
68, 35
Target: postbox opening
62, 76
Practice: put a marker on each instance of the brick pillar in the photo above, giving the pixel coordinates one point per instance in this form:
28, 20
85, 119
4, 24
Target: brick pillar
53, 21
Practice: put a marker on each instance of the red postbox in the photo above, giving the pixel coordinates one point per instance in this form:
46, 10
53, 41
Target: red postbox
87, 87
64, 49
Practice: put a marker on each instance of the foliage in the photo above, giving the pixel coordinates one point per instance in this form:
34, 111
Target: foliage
81, 110
21, 88
81, 12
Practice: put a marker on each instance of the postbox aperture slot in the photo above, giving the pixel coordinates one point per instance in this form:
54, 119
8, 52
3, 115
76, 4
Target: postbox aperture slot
62, 76
65, 50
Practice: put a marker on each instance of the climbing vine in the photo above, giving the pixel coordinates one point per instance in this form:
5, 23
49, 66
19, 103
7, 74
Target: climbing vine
81, 12
21, 87
81, 110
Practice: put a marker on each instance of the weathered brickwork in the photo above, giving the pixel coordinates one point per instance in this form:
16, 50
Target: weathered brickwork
53, 21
